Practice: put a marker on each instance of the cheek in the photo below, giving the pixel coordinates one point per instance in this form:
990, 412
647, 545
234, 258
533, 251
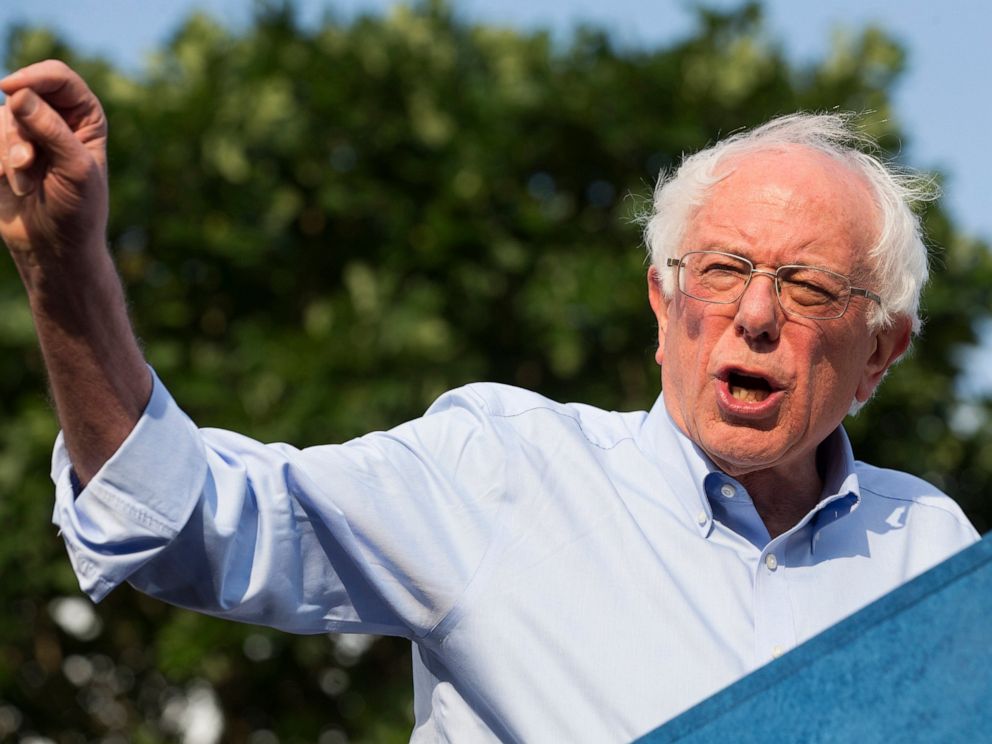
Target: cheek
690, 318
834, 373
690, 342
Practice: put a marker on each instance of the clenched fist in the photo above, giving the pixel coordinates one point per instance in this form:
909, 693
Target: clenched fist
53, 194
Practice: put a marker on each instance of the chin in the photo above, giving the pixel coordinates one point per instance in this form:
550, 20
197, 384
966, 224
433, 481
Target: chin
742, 449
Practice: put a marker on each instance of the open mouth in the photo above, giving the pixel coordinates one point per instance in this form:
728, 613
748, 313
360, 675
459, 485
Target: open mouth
747, 388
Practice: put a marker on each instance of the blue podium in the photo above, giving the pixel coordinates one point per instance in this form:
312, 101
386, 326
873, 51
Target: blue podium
915, 666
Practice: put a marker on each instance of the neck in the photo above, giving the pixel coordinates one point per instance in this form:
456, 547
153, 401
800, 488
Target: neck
783, 496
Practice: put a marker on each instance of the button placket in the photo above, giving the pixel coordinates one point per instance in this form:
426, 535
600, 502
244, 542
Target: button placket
774, 624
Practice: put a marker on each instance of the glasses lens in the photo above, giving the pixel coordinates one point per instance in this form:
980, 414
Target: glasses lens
713, 277
812, 292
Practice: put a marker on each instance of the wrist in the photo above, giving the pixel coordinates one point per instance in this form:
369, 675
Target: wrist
58, 280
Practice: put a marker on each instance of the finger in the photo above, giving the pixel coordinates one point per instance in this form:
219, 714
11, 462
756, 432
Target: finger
17, 150
15, 156
51, 77
54, 80
20, 158
67, 93
21, 155
41, 125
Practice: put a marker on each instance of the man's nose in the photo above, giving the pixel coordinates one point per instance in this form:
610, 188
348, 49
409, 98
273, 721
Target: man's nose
759, 314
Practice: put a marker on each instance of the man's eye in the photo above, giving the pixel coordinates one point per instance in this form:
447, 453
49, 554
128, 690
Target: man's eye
728, 268
809, 293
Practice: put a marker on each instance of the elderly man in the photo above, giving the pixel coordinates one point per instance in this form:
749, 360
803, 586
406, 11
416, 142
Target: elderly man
565, 573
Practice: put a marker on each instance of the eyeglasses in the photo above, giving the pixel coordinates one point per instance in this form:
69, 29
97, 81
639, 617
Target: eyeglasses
805, 291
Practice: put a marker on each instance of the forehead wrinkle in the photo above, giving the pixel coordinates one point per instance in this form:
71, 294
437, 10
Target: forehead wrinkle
740, 238
789, 197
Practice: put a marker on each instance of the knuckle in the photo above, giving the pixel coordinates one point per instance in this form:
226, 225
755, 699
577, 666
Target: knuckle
57, 66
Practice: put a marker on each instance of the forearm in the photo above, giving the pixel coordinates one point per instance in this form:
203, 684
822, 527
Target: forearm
53, 218
98, 377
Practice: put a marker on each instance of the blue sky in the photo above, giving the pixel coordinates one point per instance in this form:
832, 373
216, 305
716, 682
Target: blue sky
939, 102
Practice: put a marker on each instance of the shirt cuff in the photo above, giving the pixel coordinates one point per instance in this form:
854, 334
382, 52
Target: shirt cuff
136, 503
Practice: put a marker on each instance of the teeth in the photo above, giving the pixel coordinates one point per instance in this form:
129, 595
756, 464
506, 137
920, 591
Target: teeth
748, 395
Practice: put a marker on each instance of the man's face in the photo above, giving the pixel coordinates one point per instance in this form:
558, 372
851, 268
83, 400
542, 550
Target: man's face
755, 388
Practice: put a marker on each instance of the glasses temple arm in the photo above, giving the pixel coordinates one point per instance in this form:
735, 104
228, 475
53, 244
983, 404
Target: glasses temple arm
866, 293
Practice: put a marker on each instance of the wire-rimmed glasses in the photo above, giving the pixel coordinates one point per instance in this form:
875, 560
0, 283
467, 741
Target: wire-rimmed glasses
804, 291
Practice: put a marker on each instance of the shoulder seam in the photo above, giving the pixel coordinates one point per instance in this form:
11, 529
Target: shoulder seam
938, 507
573, 419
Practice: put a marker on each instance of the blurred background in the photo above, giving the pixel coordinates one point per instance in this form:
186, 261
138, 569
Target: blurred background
327, 213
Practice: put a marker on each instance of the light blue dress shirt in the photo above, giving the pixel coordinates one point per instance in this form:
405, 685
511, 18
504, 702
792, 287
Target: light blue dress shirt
565, 573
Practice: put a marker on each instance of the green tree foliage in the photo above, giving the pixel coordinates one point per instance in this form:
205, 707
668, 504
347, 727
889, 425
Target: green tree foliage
321, 229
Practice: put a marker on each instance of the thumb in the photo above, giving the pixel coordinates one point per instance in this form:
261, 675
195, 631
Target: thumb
41, 124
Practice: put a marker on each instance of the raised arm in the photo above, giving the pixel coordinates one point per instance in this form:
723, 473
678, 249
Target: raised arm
382, 534
53, 218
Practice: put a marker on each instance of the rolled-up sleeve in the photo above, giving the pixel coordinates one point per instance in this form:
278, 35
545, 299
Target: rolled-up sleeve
139, 500
379, 535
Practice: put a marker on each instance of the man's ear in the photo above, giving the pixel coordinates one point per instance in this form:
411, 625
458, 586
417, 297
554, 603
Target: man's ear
659, 304
890, 344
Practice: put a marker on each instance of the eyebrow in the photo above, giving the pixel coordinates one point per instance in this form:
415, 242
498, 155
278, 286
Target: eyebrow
855, 274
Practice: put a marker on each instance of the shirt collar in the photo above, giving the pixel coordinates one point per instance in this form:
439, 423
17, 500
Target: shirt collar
664, 442
841, 490
686, 465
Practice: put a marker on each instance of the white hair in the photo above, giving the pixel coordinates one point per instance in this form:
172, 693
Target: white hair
899, 256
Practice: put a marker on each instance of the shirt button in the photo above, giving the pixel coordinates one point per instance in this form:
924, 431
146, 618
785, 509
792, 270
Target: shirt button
702, 518
728, 490
777, 651
771, 561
